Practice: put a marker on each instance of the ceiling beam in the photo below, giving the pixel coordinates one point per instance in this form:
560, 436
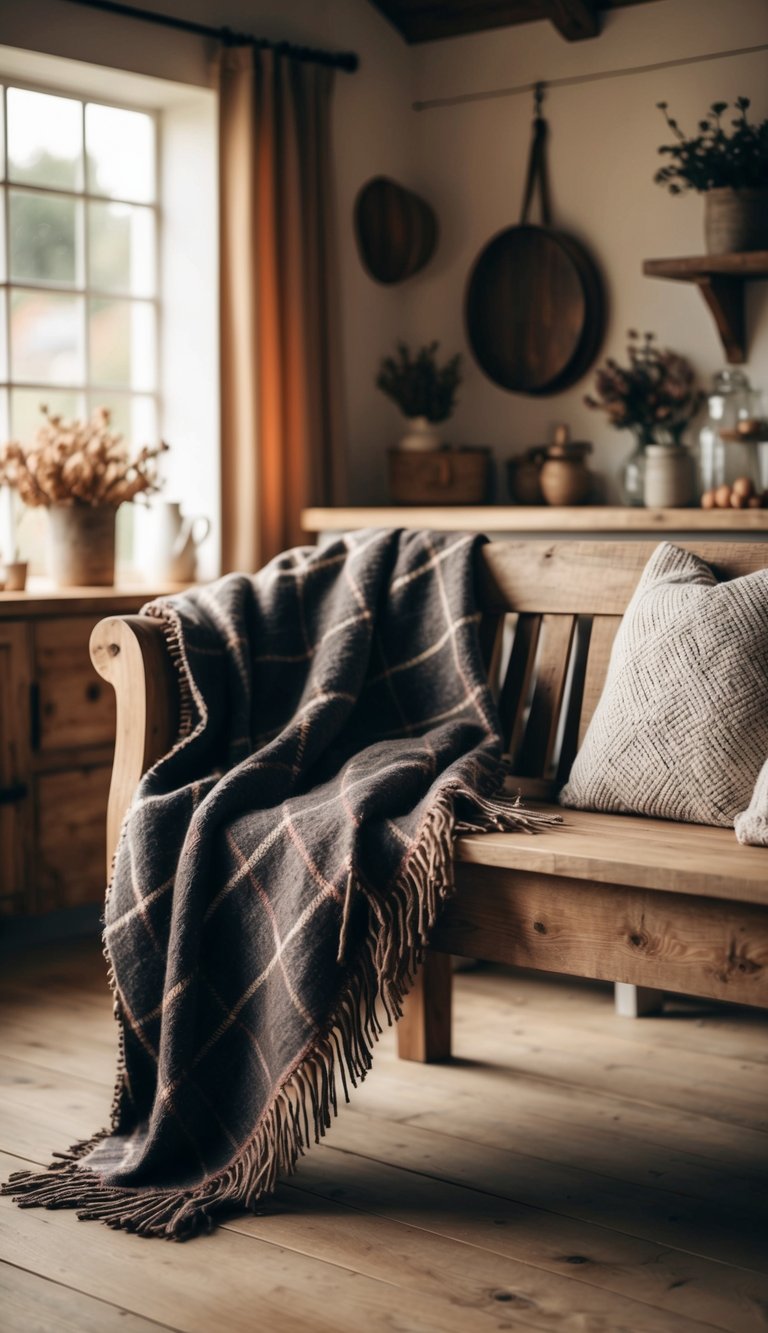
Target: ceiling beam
575, 20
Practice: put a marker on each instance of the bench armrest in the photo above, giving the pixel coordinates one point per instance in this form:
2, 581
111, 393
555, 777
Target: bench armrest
130, 652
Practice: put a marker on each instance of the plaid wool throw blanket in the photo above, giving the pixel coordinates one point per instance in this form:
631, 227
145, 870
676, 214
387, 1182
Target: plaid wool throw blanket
280, 869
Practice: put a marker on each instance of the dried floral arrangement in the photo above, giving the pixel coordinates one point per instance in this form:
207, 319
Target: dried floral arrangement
79, 463
656, 390
713, 158
417, 384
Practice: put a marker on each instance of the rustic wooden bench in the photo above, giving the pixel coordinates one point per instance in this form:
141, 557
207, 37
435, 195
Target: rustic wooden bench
645, 903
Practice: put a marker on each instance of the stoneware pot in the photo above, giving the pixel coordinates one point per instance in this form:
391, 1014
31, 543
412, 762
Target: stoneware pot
669, 477
735, 220
81, 546
524, 477
565, 478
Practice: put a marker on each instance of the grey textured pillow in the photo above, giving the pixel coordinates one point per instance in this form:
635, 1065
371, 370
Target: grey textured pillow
681, 728
752, 825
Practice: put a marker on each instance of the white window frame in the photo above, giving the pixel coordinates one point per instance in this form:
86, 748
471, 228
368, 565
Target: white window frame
86, 389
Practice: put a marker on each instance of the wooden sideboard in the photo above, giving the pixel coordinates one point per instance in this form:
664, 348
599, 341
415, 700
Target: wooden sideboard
57, 732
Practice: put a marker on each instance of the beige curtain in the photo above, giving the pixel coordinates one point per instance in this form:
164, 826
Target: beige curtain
281, 434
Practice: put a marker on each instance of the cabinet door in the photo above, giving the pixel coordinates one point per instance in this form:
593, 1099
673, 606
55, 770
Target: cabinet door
77, 707
15, 793
71, 837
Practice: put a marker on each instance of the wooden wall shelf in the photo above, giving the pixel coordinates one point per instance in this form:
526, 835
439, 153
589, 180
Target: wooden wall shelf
720, 279
538, 520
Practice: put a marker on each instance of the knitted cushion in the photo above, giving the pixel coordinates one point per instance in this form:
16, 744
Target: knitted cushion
752, 825
681, 728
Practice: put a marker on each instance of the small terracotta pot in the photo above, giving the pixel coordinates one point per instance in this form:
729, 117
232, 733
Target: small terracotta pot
14, 575
524, 477
735, 220
81, 546
565, 478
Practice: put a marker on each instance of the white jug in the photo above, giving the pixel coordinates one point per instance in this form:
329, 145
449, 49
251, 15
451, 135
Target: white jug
168, 542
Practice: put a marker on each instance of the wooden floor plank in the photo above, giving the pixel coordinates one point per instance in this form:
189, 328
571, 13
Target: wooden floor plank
422, 1260
728, 1296
32, 1304
602, 1132
227, 1280
689, 1024
649, 1213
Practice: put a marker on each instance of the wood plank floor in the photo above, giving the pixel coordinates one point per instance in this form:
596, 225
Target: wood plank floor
568, 1171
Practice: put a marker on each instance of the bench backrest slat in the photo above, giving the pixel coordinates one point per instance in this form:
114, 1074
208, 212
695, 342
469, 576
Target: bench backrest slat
552, 661
563, 602
600, 644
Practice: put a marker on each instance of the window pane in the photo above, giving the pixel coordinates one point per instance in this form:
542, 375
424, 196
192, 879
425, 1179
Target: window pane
134, 417
2, 135
43, 239
46, 337
26, 418
45, 137
122, 343
121, 249
120, 153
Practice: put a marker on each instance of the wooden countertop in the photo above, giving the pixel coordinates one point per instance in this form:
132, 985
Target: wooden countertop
42, 599
589, 519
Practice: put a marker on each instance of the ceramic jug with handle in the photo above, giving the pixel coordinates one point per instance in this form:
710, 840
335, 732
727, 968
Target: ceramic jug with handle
172, 539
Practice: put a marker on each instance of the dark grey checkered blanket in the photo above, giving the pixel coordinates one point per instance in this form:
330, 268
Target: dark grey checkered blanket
280, 870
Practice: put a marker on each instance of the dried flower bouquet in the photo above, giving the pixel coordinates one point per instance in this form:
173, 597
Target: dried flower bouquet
656, 390
79, 463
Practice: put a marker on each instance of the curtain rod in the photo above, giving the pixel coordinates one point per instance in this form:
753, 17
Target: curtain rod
346, 60
570, 80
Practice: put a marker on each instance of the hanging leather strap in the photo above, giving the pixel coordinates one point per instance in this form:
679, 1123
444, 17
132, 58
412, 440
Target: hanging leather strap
537, 173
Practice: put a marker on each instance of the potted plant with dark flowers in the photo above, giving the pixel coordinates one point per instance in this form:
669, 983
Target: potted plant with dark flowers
424, 391
654, 396
729, 169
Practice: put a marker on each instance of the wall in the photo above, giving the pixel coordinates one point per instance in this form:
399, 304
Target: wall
603, 141
469, 162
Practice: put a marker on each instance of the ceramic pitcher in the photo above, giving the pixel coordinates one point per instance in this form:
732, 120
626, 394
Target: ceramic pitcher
171, 542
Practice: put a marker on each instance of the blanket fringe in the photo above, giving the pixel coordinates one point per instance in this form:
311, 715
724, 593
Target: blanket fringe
303, 1109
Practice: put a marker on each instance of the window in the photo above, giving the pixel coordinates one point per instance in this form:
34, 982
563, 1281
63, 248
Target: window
78, 267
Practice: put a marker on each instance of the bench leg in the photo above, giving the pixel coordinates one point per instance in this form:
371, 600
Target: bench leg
424, 1031
637, 1001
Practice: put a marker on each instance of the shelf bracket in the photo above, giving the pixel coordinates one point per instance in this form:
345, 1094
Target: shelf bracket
725, 298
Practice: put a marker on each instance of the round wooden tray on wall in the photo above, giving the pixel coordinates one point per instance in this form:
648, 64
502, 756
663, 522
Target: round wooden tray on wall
534, 307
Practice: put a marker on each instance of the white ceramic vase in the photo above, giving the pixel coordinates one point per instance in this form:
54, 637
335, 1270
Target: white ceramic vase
422, 436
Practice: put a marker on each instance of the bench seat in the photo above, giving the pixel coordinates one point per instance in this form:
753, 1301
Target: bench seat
630, 850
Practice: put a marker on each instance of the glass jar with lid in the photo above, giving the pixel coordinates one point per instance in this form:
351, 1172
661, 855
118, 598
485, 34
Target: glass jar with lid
740, 450
729, 400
